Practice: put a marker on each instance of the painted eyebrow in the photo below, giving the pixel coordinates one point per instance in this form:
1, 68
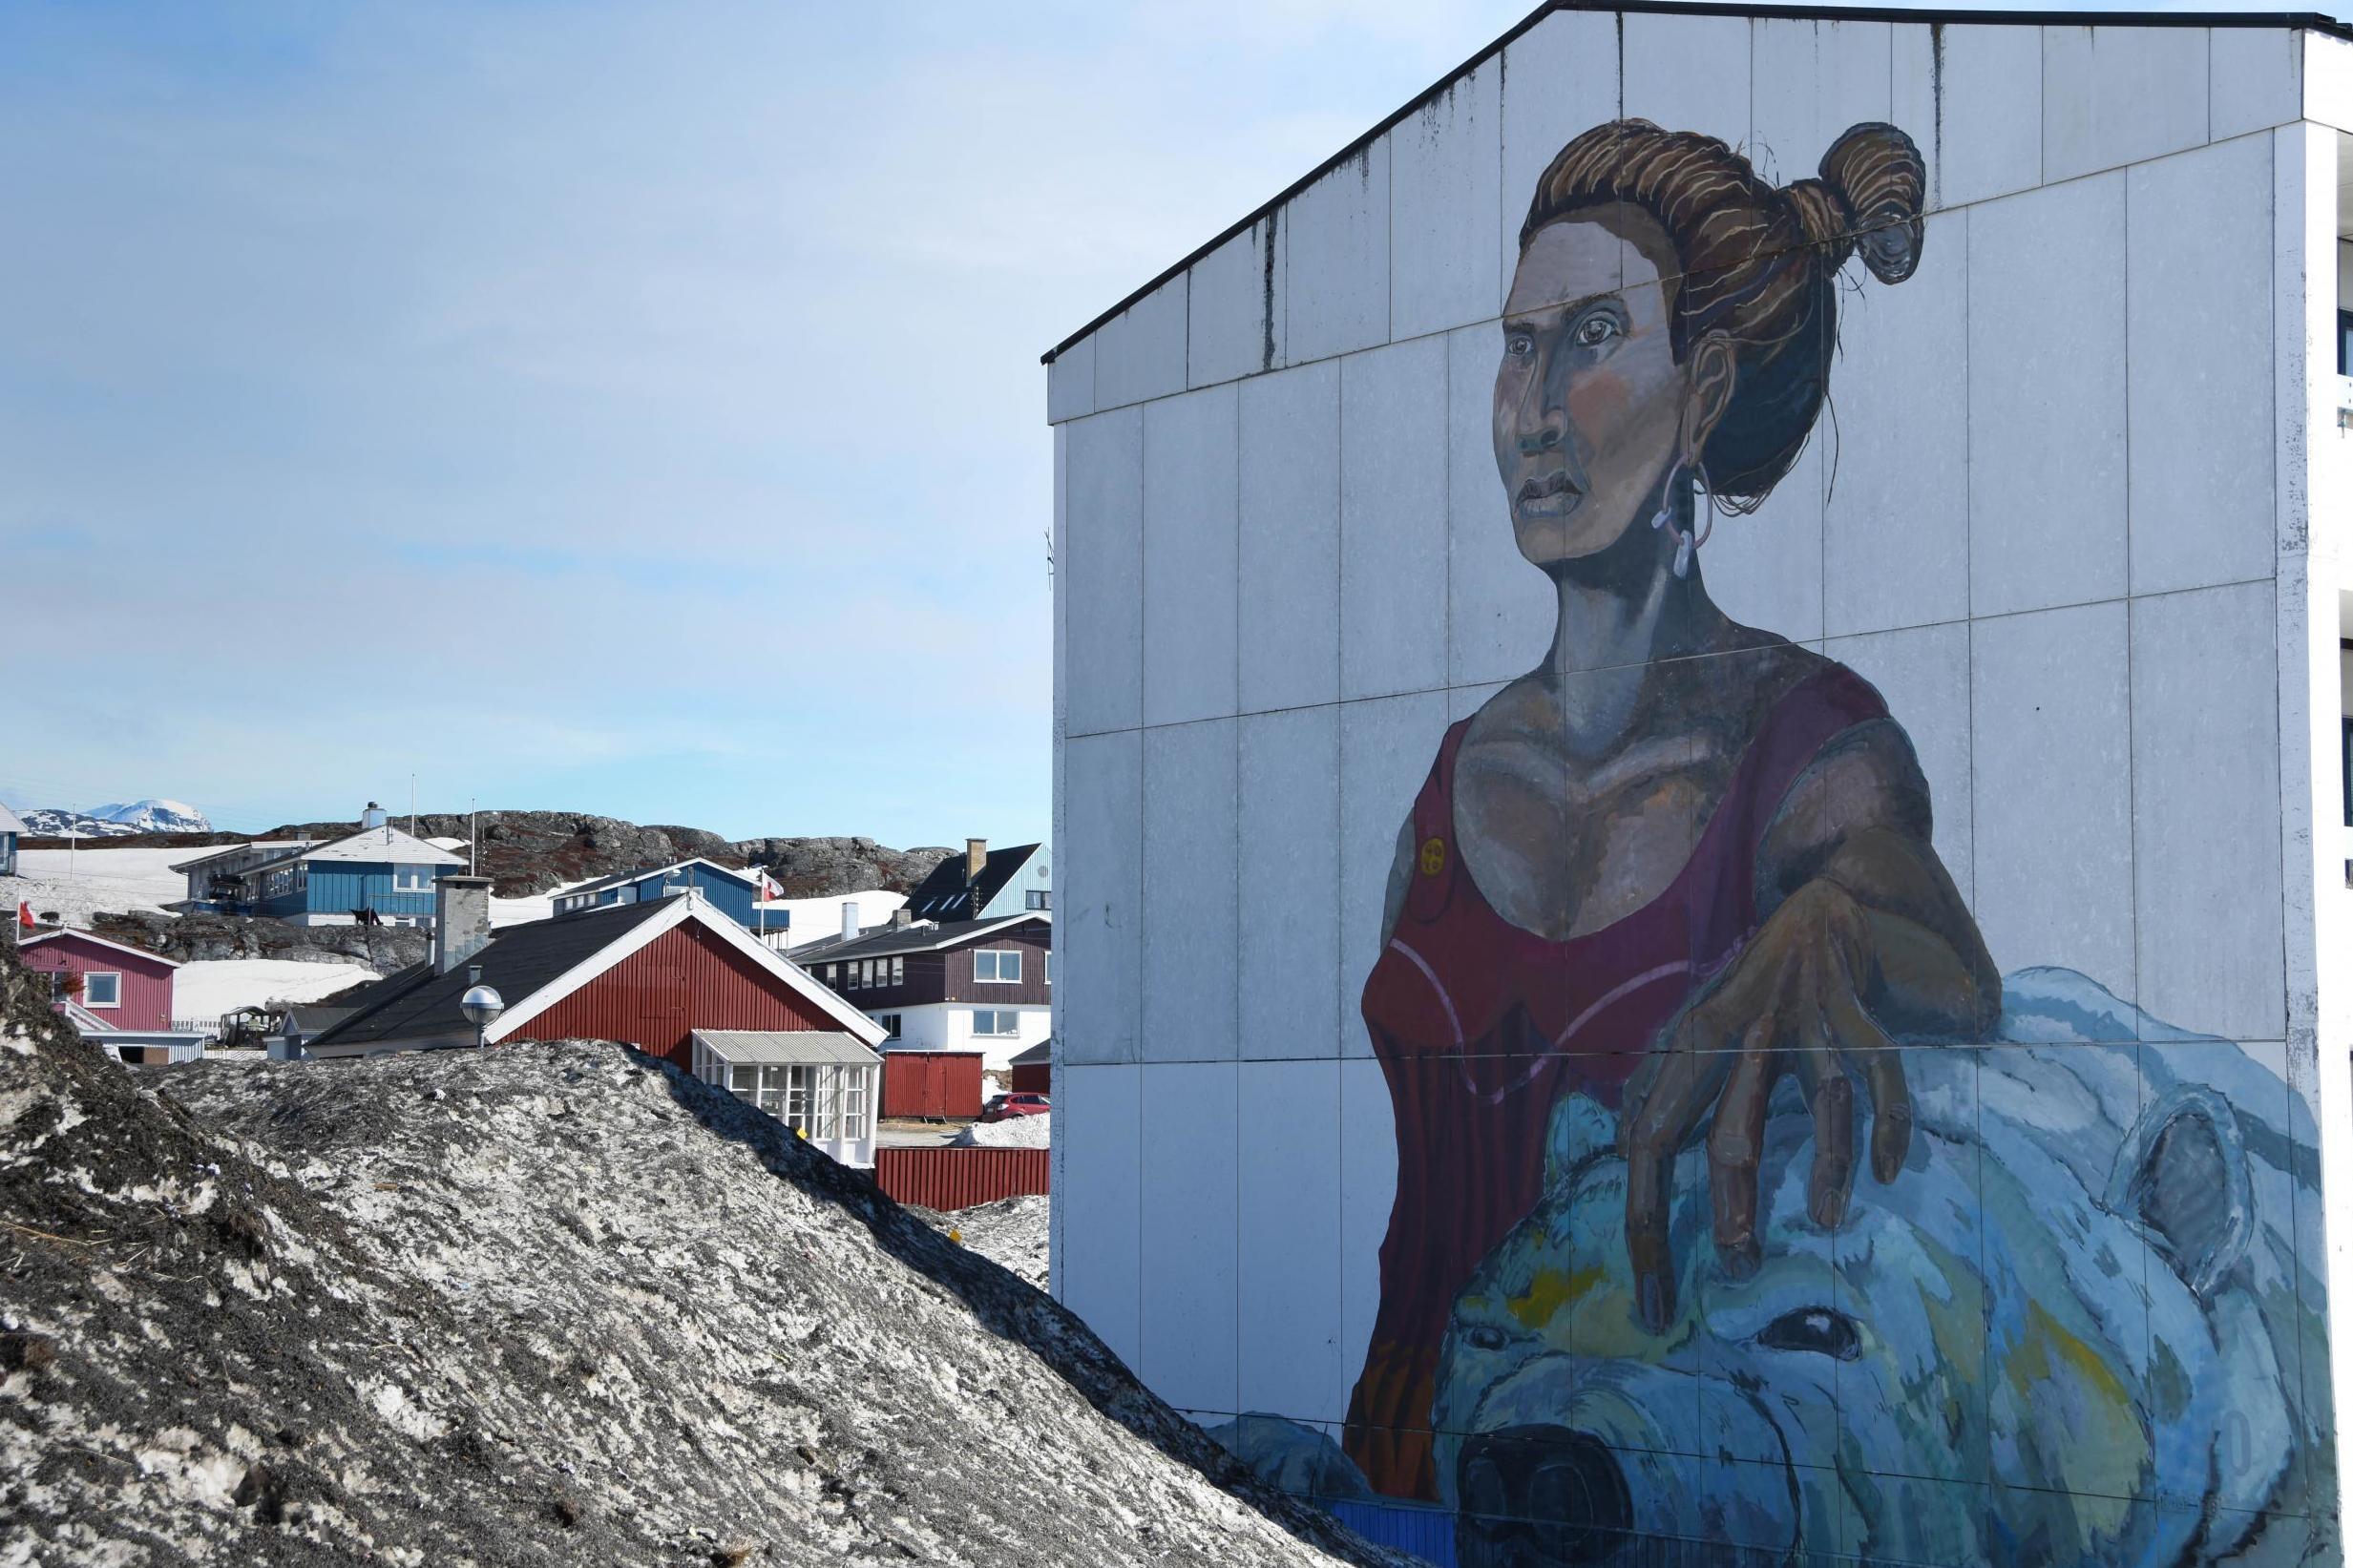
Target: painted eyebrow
1567, 307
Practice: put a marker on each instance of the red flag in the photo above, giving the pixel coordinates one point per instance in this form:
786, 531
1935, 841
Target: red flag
24, 916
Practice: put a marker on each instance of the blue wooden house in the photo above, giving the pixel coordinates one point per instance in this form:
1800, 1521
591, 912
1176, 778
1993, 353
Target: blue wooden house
11, 830
732, 892
378, 873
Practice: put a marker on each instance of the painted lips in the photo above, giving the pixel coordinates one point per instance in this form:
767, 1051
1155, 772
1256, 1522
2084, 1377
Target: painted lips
1554, 495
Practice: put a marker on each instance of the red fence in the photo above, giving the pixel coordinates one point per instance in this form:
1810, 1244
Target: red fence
953, 1179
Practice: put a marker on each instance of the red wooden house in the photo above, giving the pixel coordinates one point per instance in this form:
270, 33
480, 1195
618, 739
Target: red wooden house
117, 997
650, 973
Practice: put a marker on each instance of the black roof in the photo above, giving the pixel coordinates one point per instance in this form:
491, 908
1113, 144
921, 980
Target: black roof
1926, 16
1037, 1055
895, 939
946, 896
518, 961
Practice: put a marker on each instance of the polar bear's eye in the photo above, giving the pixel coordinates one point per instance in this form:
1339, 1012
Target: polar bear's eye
1814, 1328
1485, 1337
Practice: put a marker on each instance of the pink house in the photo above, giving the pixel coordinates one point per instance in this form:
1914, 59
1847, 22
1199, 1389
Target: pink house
121, 999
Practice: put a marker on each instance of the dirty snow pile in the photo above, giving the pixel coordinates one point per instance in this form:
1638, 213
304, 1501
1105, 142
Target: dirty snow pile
548, 1303
1011, 1231
1021, 1132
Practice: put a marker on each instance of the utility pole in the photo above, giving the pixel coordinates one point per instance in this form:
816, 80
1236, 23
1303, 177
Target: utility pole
474, 836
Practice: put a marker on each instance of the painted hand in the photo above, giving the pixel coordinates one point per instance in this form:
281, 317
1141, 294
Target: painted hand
1791, 1004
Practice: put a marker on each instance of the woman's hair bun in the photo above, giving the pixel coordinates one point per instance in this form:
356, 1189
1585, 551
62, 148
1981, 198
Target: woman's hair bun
1867, 202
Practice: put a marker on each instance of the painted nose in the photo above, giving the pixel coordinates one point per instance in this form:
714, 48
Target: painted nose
1544, 438
1541, 1497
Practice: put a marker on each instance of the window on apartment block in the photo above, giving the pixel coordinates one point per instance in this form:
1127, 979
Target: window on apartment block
898, 972
995, 1022
101, 989
999, 966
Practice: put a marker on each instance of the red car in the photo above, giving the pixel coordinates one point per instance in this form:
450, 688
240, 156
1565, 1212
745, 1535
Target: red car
1005, 1107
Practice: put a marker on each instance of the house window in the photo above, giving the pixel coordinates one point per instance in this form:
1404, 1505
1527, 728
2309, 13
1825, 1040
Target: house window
799, 1088
743, 1083
890, 1022
834, 975
898, 972
410, 879
995, 1022
1039, 898
853, 1102
998, 966
1049, 967
2344, 342
101, 988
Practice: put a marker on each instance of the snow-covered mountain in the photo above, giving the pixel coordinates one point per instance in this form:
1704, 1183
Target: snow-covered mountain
116, 819
155, 816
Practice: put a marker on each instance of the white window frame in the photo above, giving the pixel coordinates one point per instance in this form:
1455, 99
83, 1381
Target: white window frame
898, 972
995, 1014
411, 879
1000, 955
91, 977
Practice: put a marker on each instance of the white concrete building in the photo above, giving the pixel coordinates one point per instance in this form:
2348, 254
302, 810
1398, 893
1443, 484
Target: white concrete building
1796, 993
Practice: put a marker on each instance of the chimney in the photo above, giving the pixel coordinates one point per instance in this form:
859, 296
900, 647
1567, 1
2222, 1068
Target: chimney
461, 920
850, 919
372, 817
901, 916
976, 861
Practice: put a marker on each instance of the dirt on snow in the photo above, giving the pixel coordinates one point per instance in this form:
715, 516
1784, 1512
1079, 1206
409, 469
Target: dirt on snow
546, 1303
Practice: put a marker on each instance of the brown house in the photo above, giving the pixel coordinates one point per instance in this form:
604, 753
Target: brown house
957, 985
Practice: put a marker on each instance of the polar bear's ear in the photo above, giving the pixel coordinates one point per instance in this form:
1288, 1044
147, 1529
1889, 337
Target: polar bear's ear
2181, 1173
1580, 1130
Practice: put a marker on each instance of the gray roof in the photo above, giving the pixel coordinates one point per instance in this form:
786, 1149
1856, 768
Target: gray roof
1037, 1055
8, 819
640, 874
919, 936
780, 1047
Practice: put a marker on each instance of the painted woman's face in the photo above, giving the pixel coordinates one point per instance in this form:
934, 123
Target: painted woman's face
1588, 400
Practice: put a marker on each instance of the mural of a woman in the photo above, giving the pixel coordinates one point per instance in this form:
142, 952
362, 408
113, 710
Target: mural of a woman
1682, 859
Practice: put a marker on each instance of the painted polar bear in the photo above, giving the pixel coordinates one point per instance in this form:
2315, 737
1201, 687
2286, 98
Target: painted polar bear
2076, 1329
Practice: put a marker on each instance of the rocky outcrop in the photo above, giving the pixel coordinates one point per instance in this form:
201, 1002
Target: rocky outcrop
547, 1304
194, 938
819, 868
527, 852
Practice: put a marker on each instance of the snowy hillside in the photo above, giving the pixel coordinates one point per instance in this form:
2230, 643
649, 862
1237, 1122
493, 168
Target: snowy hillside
210, 988
78, 884
115, 819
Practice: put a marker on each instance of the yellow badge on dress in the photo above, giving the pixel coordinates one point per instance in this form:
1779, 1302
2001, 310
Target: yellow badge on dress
1433, 856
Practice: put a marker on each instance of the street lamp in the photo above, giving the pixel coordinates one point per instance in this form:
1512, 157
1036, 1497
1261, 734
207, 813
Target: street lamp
481, 1005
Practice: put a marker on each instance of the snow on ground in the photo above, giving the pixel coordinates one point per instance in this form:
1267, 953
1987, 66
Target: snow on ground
812, 918
1021, 1132
207, 990
1011, 1231
79, 882
516, 911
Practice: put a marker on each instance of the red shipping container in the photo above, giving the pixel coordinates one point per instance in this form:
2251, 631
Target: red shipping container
954, 1179
942, 1085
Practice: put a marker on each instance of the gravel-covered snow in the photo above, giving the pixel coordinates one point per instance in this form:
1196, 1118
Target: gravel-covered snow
209, 988
1011, 1231
540, 1305
80, 883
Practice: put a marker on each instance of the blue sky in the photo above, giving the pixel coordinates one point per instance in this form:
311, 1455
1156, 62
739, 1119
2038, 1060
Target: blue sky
622, 408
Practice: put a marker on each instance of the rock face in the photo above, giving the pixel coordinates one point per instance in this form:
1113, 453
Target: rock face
195, 938
819, 868
550, 1304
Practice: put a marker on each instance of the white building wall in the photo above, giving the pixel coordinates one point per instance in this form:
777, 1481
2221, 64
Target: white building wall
947, 1026
2077, 512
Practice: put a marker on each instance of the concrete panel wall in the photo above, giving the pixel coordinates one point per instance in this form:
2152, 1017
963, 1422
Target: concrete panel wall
2057, 514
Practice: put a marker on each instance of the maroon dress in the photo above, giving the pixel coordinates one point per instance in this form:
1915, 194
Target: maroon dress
1480, 1026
